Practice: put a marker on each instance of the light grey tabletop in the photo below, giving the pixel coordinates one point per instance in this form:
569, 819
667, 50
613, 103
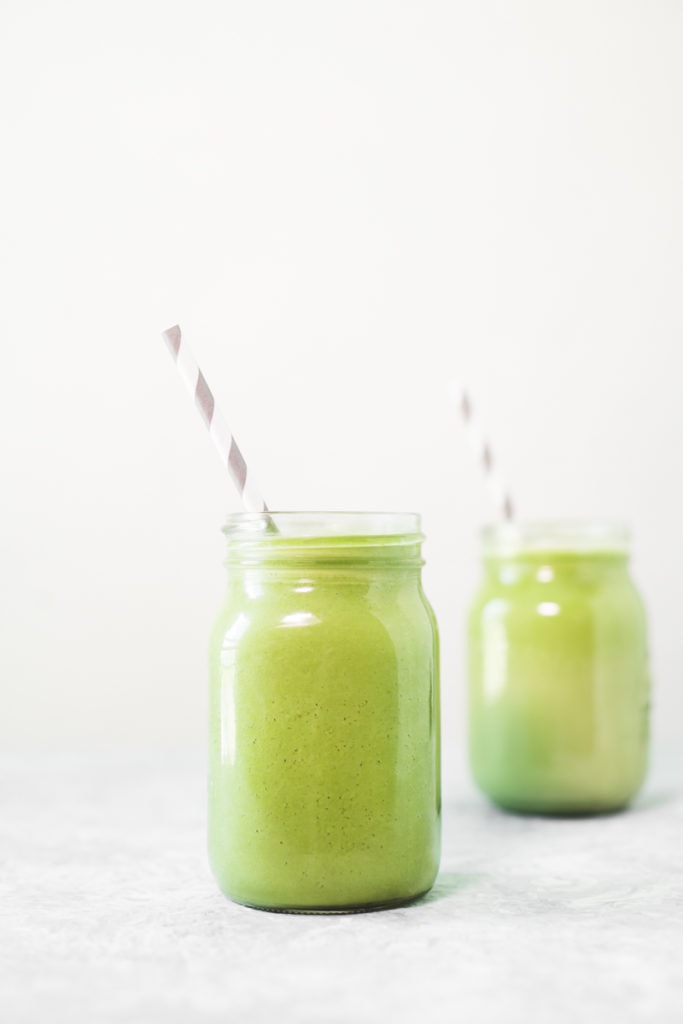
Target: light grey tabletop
109, 913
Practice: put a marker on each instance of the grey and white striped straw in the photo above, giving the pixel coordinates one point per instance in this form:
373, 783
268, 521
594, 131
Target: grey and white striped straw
225, 443
482, 450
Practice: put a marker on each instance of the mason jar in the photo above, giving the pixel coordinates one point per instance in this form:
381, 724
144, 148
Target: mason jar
558, 670
324, 766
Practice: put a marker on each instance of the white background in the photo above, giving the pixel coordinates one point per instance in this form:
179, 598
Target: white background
344, 204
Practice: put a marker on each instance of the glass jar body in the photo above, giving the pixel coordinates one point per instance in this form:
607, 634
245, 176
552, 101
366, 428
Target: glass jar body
558, 681
324, 729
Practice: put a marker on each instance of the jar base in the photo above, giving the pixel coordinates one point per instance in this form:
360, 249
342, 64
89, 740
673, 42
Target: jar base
569, 811
364, 908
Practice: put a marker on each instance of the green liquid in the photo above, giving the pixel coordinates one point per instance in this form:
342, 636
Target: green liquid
559, 683
324, 734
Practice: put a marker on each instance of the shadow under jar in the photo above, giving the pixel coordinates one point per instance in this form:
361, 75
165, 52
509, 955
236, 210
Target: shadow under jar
558, 670
324, 758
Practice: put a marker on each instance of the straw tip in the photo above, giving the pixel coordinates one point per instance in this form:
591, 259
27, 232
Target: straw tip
172, 338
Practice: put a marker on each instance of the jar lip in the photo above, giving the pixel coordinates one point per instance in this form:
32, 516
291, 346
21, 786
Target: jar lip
312, 526
556, 535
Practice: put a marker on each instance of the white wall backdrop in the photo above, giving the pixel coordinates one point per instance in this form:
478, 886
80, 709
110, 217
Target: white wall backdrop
344, 204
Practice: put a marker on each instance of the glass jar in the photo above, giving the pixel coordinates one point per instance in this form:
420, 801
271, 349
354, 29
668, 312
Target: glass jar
324, 715
558, 670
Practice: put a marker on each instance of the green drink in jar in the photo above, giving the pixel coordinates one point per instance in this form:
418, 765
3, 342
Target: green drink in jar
558, 670
324, 715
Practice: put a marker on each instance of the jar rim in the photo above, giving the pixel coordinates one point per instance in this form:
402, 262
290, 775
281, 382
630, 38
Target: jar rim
582, 536
312, 526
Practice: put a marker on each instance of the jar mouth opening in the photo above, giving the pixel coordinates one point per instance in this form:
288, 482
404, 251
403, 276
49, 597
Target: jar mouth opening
581, 536
314, 529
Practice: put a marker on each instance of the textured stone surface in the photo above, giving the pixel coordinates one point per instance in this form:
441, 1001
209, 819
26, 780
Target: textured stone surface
108, 913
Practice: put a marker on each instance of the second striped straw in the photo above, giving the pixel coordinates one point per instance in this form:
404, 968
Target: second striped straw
225, 443
483, 453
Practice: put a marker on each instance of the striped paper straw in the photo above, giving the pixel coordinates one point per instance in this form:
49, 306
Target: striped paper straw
225, 443
482, 451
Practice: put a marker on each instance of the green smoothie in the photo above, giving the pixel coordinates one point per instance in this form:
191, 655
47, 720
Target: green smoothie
324, 729
558, 673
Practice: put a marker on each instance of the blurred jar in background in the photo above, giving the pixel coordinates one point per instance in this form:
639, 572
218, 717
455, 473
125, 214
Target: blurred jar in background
558, 670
